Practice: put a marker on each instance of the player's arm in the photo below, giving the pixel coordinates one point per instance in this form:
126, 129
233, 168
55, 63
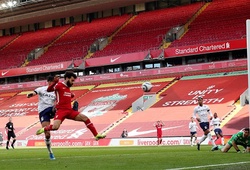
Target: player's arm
162, 123
6, 128
212, 125
29, 95
189, 126
55, 81
247, 150
210, 113
194, 116
235, 145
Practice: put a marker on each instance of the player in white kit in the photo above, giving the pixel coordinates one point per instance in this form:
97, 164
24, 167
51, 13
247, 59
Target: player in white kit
203, 111
193, 131
46, 110
215, 122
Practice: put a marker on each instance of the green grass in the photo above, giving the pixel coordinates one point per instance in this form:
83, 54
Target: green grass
123, 158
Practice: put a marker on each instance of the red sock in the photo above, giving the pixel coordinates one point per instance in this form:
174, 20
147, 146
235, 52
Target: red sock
48, 128
91, 127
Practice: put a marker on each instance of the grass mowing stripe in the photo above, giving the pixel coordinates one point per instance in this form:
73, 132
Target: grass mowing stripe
205, 166
122, 158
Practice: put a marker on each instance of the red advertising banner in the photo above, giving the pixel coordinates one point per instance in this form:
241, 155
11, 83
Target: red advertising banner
116, 59
205, 48
35, 69
71, 142
140, 73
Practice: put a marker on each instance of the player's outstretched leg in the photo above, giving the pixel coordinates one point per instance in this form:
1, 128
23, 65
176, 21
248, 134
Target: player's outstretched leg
40, 131
100, 136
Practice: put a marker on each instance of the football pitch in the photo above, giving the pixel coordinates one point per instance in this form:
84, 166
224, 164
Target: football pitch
124, 158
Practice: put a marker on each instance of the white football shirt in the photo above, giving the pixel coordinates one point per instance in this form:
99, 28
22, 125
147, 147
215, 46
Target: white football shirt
215, 122
203, 112
192, 126
46, 99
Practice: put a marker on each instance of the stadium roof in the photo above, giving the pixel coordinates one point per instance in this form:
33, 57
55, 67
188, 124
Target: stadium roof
45, 10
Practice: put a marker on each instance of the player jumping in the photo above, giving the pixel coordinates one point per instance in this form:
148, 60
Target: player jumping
63, 105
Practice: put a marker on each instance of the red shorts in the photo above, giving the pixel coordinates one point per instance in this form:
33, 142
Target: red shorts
61, 114
159, 134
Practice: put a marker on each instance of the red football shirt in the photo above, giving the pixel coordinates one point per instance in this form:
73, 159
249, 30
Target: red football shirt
159, 129
63, 96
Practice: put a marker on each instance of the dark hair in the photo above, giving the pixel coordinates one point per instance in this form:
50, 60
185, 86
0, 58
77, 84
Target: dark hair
50, 78
69, 74
200, 97
246, 129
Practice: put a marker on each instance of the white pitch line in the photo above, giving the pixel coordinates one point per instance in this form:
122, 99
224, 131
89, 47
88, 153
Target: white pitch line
205, 166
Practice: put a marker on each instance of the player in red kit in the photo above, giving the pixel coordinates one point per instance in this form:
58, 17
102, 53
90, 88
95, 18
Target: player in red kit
159, 124
63, 106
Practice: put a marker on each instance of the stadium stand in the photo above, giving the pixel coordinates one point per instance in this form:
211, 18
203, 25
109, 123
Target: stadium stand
18, 51
75, 43
147, 29
178, 101
239, 121
5, 40
217, 23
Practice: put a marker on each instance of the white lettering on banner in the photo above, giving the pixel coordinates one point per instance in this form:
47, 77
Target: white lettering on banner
77, 134
24, 104
63, 131
35, 137
211, 90
203, 48
74, 143
186, 51
192, 102
60, 134
154, 142
204, 92
44, 68
35, 69
12, 114
17, 111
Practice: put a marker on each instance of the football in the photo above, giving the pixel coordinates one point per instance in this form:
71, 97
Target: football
146, 86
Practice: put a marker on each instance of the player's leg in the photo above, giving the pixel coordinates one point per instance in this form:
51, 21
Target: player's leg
217, 137
225, 148
75, 115
60, 116
222, 138
204, 127
8, 140
195, 138
14, 140
191, 139
48, 140
209, 136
